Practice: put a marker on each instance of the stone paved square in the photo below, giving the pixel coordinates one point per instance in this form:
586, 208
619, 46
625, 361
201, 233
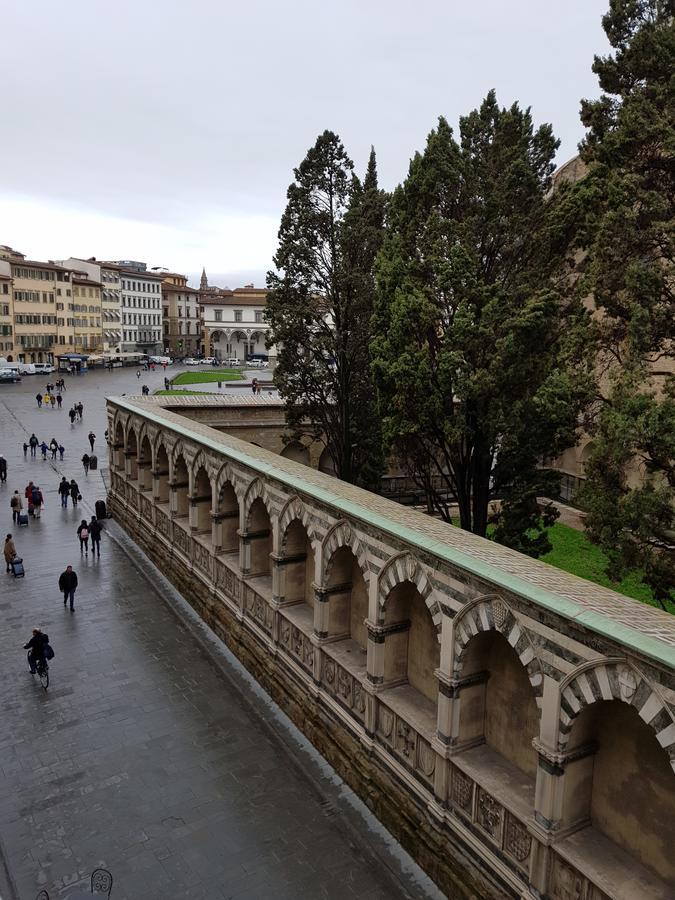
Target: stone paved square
149, 755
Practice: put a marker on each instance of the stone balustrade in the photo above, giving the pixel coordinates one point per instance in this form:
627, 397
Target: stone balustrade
512, 725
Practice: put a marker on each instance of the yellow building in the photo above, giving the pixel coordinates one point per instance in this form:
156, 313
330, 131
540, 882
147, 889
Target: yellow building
86, 331
180, 316
41, 294
6, 312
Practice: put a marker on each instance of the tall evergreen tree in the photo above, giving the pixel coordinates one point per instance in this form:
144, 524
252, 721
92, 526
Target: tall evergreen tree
319, 307
476, 352
625, 205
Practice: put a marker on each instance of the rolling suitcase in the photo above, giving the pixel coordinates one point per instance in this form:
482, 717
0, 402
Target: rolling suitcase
93, 462
17, 567
101, 511
23, 519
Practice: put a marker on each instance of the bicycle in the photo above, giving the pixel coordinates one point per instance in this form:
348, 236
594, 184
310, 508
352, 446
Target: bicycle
42, 669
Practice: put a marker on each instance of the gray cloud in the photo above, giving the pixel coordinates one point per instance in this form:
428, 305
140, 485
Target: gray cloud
171, 112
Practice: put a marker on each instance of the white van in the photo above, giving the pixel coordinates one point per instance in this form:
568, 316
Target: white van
44, 368
161, 360
26, 368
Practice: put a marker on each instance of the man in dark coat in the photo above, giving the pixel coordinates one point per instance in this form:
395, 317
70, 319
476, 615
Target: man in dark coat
36, 649
68, 584
3, 469
95, 535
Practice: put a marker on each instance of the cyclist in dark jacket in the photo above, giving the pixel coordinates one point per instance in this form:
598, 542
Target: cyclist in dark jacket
36, 649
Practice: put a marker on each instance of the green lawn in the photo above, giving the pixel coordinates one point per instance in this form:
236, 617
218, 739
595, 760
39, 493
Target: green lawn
203, 377
184, 393
573, 552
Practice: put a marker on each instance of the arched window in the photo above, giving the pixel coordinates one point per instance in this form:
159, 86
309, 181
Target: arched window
201, 502
259, 538
297, 565
411, 647
145, 465
162, 475
497, 703
180, 486
132, 454
624, 785
347, 598
297, 452
227, 519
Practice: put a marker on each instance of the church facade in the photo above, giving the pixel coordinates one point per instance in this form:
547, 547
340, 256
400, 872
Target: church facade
234, 325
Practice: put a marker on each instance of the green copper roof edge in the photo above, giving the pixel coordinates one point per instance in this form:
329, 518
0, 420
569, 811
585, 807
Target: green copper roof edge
610, 628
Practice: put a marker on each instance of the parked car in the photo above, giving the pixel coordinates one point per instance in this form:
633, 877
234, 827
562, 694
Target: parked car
190, 361
9, 376
161, 360
209, 361
233, 362
44, 368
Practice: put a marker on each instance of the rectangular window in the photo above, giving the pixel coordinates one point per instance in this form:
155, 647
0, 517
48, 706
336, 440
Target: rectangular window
218, 315
237, 315
258, 315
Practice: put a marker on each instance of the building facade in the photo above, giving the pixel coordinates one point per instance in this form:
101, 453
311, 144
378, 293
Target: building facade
234, 322
6, 311
181, 316
141, 308
108, 276
87, 335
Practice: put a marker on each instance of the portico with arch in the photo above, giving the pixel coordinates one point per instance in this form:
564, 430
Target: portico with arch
491, 700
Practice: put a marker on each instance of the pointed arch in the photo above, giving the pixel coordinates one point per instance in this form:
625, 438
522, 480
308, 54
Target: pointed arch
256, 490
615, 679
404, 567
343, 535
292, 509
491, 613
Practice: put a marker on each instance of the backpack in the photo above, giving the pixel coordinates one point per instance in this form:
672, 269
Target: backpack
35, 497
14, 502
84, 534
49, 652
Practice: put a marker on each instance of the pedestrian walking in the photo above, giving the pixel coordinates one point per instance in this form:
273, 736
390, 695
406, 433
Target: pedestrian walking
95, 535
46, 400
16, 505
59, 400
138, 373
54, 447
85, 463
43, 449
64, 491
92, 438
38, 502
62, 450
10, 552
38, 397
33, 442
83, 535
80, 410
75, 494
52, 400
25, 449
254, 385
71, 415
68, 586
3, 469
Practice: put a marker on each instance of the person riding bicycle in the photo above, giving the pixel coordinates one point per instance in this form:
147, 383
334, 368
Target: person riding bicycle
36, 650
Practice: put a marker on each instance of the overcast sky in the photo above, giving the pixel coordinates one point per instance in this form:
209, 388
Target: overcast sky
168, 131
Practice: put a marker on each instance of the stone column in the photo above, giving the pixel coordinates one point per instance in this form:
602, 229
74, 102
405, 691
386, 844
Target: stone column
321, 600
562, 793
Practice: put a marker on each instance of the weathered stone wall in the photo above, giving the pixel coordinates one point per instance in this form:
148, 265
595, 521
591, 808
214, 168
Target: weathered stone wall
477, 755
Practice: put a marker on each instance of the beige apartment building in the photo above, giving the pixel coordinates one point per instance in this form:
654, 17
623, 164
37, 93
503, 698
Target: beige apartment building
42, 292
181, 316
108, 276
85, 316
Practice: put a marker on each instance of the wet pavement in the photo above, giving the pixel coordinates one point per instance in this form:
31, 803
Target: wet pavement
152, 754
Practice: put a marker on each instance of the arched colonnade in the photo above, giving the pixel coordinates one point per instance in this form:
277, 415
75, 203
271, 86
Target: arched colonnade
449, 692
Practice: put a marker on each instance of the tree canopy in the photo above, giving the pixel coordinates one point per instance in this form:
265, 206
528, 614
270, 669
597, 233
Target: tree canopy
623, 213
477, 349
320, 304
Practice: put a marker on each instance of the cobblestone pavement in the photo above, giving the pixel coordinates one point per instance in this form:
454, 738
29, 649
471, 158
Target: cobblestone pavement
151, 754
